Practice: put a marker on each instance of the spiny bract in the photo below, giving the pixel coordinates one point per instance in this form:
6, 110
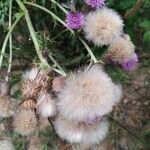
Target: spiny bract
25, 121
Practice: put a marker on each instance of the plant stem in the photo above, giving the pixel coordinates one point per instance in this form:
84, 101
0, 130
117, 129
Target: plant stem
7, 38
32, 32
134, 9
63, 23
49, 12
35, 40
55, 63
88, 49
61, 7
10, 42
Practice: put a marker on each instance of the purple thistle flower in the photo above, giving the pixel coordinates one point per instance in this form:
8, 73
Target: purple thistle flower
95, 3
93, 120
131, 63
75, 20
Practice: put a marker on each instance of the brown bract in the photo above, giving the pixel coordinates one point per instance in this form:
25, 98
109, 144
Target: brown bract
58, 83
32, 85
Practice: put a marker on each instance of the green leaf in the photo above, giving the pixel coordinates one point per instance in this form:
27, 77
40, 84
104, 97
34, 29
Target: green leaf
147, 36
18, 15
145, 24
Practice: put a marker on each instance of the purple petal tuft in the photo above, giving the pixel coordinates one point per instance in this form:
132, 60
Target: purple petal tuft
95, 3
130, 64
75, 20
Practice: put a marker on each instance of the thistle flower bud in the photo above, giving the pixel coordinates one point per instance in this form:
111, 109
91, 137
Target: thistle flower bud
120, 49
102, 26
25, 121
95, 3
75, 20
88, 94
80, 132
45, 105
6, 107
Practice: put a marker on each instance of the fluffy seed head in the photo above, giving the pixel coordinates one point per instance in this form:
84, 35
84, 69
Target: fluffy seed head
120, 49
6, 107
88, 94
131, 63
81, 133
102, 26
75, 20
25, 121
46, 105
95, 3
31, 74
6, 145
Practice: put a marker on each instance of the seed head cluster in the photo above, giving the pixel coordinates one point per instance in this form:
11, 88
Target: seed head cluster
81, 101
87, 96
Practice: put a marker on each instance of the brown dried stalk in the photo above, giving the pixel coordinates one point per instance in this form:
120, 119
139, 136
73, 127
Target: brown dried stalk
134, 9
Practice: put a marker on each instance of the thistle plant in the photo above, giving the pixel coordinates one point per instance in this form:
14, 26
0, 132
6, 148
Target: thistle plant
77, 101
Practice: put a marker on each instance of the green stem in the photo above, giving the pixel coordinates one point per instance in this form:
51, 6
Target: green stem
10, 42
55, 63
32, 32
49, 12
61, 7
63, 23
7, 38
34, 38
88, 49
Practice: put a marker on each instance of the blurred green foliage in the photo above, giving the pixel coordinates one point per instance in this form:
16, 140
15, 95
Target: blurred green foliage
57, 40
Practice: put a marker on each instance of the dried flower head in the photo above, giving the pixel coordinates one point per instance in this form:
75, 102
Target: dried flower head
46, 105
88, 94
95, 3
34, 80
75, 20
120, 49
6, 145
80, 132
102, 26
25, 121
6, 107
131, 63
28, 104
